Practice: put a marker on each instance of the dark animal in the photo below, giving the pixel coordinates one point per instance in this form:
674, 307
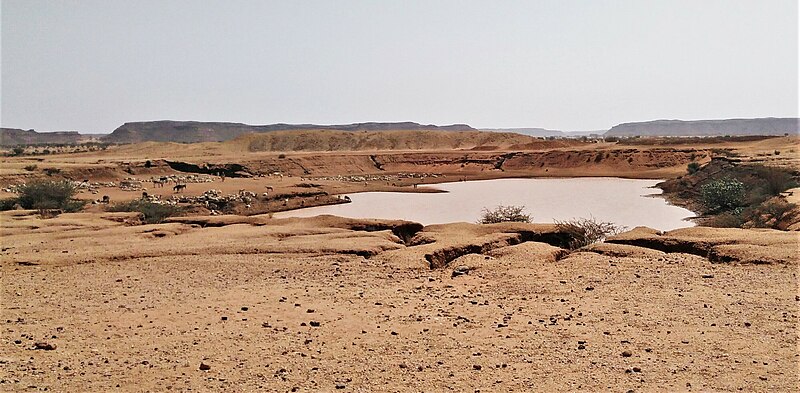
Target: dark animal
179, 187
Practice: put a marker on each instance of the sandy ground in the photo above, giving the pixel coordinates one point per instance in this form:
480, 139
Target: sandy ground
319, 305
332, 304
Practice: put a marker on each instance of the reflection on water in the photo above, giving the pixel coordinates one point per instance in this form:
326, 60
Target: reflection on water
622, 201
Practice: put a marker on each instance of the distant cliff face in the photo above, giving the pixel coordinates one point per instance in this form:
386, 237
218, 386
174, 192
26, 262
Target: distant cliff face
192, 131
14, 136
763, 126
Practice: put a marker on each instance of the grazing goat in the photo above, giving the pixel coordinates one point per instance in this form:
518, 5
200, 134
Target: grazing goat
179, 187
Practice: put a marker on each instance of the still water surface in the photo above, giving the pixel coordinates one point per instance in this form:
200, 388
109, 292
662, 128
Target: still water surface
627, 202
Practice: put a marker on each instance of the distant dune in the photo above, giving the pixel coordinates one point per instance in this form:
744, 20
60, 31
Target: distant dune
192, 131
762, 126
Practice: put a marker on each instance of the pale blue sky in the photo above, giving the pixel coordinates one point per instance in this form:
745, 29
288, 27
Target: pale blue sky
570, 65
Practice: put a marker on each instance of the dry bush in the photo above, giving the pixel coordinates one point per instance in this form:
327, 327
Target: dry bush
770, 213
504, 214
586, 231
731, 219
152, 213
777, 180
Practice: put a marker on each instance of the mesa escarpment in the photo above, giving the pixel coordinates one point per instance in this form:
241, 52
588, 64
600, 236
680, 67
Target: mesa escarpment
15, 137
194, 131
761, 126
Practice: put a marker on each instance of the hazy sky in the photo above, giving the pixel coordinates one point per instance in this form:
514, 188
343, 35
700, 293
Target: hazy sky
572, 65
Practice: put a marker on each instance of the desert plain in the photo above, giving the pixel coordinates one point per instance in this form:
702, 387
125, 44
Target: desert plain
240, 301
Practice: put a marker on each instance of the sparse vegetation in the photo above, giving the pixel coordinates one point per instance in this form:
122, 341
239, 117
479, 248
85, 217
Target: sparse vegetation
586, 231
18, 151
152, 213
731, 219
777, 180
504, 214
769, 214
51, 171
30, 168
693, 167
722, 195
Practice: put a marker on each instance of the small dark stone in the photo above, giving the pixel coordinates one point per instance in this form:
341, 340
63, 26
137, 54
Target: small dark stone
44, 346
224, 318
581, 346
637, 370
204, 367
626, 354
763, 378
310, 311
314, 324
460, 270
590, 288
245, 308
340, 386
476, 367
747, 324
393, 333
707, 276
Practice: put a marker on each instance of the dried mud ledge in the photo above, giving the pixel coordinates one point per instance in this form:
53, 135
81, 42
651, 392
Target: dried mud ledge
439, 245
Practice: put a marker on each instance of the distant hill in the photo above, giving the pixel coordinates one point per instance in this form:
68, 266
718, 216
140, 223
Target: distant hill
14, 136
762, 126
336, 140
192, 131
543, 132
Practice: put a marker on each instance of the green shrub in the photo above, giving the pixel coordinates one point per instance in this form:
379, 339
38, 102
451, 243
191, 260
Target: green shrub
18, 151
504, 214
693, 167
152, 213
8, 204
48, 194
586, 231
722, 194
